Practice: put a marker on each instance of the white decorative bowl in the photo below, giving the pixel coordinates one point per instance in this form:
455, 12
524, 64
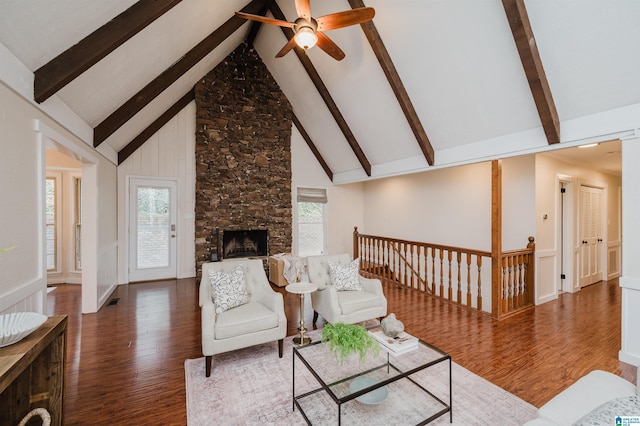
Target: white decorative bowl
18, 325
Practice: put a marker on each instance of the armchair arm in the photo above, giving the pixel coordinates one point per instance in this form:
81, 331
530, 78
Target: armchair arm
269, 298
371, 285
204, 293
325, 302
208, 317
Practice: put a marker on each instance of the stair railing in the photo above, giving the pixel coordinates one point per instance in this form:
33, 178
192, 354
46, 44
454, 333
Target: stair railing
454, 274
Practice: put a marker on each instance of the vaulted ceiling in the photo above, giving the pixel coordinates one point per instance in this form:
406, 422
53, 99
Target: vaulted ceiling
426, 84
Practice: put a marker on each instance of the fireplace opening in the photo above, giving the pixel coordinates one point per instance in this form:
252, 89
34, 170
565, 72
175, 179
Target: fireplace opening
244, 243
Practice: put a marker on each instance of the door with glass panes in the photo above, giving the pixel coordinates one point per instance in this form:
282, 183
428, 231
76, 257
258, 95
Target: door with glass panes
152, 229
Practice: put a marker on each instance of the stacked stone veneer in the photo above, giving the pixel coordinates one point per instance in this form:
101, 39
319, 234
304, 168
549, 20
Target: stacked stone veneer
243, 154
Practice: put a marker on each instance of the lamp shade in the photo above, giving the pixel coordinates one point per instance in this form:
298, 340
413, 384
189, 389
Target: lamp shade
306, 38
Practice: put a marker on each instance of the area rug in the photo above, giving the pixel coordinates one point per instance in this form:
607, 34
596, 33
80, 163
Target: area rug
253, 386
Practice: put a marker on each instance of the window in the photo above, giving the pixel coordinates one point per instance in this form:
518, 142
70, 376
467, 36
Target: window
311, 221
50, 223
77, 217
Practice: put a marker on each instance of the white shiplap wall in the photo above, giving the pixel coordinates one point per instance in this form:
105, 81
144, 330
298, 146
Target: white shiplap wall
169, 153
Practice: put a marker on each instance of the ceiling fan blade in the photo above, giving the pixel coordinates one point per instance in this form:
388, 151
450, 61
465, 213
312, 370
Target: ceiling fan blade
332, 49
346, 18
303, 8
265, 19
287, 47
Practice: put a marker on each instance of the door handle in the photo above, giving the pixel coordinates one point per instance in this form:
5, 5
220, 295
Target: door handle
599, 240
584, 242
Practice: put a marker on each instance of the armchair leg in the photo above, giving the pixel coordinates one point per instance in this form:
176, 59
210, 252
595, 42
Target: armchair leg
280, 345
315, 317
207, 365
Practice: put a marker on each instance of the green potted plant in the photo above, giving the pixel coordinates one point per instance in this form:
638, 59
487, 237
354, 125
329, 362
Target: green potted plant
345, 339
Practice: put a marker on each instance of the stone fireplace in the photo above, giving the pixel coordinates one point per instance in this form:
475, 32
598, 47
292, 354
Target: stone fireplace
243, 156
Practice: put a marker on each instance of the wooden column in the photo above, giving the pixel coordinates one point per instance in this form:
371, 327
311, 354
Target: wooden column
496, 236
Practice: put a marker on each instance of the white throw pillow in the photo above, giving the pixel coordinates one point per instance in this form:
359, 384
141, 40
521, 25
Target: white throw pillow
345, 277
228, 290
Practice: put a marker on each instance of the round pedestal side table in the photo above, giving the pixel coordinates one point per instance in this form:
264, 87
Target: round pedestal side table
301, 289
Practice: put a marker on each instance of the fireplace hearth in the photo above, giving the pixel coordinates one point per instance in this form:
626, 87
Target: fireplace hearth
244, 243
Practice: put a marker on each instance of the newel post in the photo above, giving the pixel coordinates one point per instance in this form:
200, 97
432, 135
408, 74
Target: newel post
531, 271
356, 252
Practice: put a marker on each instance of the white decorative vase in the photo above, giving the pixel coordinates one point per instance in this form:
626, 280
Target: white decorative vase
391, 326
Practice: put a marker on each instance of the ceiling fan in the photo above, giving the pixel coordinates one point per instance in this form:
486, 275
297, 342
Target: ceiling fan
309, 31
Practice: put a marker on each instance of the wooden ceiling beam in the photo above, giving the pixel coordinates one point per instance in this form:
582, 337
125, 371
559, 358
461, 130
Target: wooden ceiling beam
141, 99
144, 136
518, 18
255, 25
313, 148
324, 93
65, 67
371, 32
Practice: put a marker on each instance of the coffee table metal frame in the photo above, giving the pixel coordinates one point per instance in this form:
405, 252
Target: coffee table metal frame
298, 352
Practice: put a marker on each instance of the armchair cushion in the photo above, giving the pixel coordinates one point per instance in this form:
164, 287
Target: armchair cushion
245, 319
354, 301
345, 277
228, 290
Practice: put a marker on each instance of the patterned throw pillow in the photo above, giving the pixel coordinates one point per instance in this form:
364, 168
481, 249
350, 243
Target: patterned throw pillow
228, 290
345, 277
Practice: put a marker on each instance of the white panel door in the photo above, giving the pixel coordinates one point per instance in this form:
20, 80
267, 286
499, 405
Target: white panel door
152, 229
591, 240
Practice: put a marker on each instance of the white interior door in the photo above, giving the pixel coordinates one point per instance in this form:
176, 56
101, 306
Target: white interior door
152, 229
591, 239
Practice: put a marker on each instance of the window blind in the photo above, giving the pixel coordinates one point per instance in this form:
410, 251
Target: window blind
312, 195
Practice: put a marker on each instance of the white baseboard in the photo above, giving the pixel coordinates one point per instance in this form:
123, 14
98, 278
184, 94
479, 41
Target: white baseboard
629, 358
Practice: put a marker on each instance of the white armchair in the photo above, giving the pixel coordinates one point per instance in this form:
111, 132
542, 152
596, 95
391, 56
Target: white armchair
260, 320
343, 306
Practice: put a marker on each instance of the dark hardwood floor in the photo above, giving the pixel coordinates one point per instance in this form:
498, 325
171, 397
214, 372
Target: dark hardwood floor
125, 364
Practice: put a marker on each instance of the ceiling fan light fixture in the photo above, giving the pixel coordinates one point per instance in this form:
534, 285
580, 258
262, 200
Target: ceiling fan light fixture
306, 38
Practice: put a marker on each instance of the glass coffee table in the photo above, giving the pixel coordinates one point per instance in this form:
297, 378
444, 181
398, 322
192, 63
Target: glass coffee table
410, 388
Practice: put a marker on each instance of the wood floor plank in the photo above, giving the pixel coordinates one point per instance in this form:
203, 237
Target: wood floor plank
125, 364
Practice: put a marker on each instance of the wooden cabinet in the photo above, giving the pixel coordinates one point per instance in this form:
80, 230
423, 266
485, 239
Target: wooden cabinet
32, 373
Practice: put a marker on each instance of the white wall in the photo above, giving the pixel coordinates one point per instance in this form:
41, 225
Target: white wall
170, 154
630, 280
446, 206
346, 202
549, 172
453, 207
22, 167
518, 201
